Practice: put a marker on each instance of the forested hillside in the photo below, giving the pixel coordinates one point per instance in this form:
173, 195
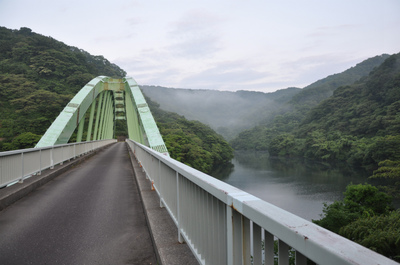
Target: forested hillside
39, 76
368, 108
290, 114
316, 92
226, 112
359, 124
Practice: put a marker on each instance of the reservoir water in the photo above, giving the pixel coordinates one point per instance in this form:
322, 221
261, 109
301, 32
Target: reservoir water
298, 186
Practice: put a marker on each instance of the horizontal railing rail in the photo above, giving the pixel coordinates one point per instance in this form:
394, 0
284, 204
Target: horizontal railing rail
17, 165
225, 225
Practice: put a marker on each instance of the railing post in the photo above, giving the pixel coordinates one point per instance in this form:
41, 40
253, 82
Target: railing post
246, 240
229, 235
52, 157
283, 253
300, 259
22, 168
40, 162
160, 185
62, 155
237, 238
178, 212
269, 248
257, 247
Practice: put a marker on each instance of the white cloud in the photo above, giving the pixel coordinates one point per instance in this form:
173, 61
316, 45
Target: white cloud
195, 35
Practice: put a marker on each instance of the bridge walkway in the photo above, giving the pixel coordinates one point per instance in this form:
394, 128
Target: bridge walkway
92, 214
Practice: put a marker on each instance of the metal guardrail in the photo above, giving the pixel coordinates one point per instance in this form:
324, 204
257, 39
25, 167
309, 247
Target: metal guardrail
17, 165
225, 225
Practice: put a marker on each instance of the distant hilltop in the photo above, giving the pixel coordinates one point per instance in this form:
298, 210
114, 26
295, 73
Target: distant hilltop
229, 113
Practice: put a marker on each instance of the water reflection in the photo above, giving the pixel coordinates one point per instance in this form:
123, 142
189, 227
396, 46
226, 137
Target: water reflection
296, 185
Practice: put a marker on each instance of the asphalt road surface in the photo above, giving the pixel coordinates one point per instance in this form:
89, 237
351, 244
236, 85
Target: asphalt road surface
91, 214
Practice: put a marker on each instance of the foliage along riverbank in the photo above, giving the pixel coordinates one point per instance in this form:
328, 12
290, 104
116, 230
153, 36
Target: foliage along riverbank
191, 142
358, 124
367, 217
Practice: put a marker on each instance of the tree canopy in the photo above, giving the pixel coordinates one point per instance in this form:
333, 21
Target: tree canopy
191, 142
38, 77
366, 216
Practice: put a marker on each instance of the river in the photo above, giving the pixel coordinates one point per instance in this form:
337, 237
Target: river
298, 186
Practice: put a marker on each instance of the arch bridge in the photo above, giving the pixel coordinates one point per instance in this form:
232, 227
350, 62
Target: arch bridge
95, 109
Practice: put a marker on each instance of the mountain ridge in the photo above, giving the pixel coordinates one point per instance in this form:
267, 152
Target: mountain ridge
215, 108
230, 113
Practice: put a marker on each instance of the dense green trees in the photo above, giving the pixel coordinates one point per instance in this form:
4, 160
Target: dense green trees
22, 141
191, 142
380, 233
358, 123
366, 216
38, 76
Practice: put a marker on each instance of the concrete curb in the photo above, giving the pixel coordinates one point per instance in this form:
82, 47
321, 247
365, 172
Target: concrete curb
11, 194
162, 228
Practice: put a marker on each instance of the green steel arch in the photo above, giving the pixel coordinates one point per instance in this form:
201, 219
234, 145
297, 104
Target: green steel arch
103, 101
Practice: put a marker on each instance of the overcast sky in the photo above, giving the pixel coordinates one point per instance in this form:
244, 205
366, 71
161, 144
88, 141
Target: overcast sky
260, 45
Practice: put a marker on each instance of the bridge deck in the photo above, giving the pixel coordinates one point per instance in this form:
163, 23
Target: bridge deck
90, 215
